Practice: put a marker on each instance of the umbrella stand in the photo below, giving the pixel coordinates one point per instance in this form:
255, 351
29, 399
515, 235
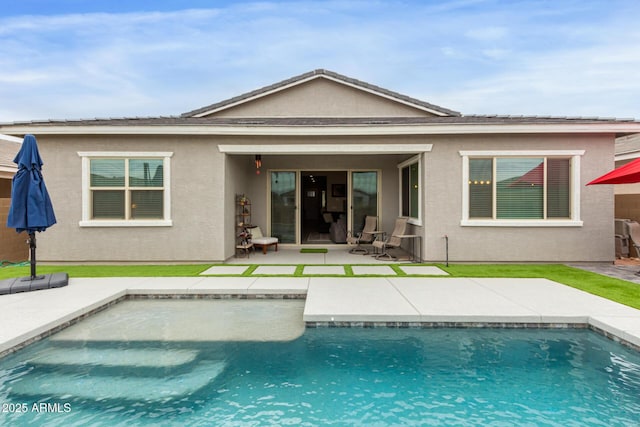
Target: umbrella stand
32, 248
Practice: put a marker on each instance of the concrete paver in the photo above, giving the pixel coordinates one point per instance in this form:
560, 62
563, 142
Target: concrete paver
279, 285
356, 300
373, 269
323, 269
423, 269
461, 300
222, 285
275, 269
225, 269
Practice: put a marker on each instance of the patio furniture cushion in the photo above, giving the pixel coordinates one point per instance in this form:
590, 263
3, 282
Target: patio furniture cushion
262, 241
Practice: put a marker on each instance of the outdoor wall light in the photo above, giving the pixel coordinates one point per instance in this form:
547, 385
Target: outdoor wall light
258, 163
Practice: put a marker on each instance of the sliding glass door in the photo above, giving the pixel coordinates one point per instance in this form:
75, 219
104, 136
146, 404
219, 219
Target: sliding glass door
284, 205
364, 197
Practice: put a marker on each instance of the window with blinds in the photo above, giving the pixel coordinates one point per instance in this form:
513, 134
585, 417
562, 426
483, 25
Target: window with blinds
519, 188
127, 189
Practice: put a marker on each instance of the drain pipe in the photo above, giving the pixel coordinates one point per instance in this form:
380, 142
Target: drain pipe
446, 249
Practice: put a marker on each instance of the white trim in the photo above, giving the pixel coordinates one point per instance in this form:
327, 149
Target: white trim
345, 130
10, 138
325, 148
520, 223
520, 153
127, 154
627, 156
125, 223
87, 221
575, 178
576, 185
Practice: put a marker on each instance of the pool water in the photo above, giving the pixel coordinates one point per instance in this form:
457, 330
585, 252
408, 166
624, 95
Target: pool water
371, 377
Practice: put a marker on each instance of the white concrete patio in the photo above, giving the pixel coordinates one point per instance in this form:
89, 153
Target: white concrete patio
28, 316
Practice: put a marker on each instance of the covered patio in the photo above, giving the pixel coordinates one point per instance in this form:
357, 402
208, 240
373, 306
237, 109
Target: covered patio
294, 187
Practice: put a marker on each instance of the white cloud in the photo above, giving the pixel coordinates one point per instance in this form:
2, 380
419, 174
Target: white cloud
476, 56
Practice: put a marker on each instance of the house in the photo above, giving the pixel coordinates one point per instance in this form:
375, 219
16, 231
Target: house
501, 188
627, 196
13, 247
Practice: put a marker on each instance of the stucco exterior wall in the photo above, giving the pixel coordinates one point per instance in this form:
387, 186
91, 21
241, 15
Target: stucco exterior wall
197, 203
321, 98
443, 206
204, 183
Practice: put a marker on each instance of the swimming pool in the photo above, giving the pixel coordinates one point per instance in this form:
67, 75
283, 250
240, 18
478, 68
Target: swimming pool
325, 376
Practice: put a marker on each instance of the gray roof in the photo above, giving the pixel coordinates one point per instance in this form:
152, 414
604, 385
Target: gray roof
320, 73
319, 121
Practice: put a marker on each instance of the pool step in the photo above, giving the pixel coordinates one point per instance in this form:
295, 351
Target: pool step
114, 387
114, 357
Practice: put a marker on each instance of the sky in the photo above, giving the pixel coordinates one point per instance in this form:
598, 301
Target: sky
82, 59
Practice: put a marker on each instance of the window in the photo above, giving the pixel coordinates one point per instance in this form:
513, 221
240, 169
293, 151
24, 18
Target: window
121, 189
527, 188
410, 197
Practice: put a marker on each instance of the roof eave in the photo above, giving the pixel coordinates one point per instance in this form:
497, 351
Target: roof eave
336, 130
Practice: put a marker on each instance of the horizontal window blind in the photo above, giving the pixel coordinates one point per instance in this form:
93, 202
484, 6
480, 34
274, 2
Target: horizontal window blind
127, 188
558, 194
481, 188
519, 188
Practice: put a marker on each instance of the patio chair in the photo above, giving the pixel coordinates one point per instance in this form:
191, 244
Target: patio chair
393, 241
264, 242
366, 236
634, 235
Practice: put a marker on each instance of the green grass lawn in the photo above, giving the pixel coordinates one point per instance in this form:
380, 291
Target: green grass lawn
621, 291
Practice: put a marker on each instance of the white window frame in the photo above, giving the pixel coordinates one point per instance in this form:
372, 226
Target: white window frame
574, 179
415, 159
87, 221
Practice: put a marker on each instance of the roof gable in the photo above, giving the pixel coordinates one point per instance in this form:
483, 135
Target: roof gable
321, 93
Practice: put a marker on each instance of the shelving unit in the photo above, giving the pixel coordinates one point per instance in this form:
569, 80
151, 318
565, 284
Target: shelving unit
243, 224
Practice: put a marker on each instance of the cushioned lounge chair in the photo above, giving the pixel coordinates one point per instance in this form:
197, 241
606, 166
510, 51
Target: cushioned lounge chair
364, 237
393, 241
259, 240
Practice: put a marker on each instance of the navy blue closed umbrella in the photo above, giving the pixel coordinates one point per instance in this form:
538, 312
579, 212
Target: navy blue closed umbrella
31, 209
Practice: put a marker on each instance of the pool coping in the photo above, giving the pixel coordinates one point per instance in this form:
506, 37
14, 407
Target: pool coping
337, 302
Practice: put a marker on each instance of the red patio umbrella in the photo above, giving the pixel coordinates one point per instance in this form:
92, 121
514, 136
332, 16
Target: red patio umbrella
626, 174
